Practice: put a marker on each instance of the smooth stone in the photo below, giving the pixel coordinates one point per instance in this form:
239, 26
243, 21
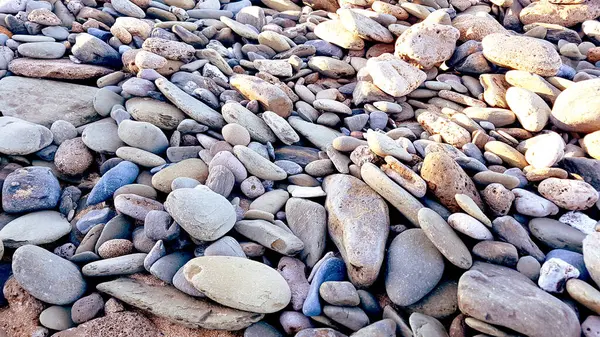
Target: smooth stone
411, 253
557, 235
166, 267
446, 186
352, 318
469, 226
350, 202
191, 168
56, 101
497, 252
530, 267
444, 238
57, 318
569, 194
86, 308
30, 188
92, 50
510, 230
18, 137
102, 136
121, 265
46, 276
581, 97
426, 326
330, 269
486, 289
383, 328
143, 135
202, 213
61, 69
293, 271
123, 174
254, 125
257, 165
225, 246
268, 95
591, 256
584, 294
554, 274
190, 312
521, 53
35, 228
42, 50
308, 221
73, 157
340, 293
218, 279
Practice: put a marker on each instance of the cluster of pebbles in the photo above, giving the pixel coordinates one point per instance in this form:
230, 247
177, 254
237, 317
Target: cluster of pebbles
312, 169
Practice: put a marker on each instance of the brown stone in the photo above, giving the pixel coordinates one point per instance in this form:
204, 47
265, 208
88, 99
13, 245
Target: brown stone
58, 69
20, 318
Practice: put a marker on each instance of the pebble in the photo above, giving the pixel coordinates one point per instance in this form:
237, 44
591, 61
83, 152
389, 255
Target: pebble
122, 174
339, 293
46, 276
56, 318
444, 238
29, 189
270, 293
34, 228
86, 308
569, 194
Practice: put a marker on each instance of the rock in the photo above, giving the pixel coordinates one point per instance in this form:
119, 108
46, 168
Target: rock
143, 135
364, 27
254, 125
444, 238
585, 294
557, 235
508, 229
581, 96
545, 150
529, 203
446, 186
257, 165
293, 271
484, 292
130, 323
171, 50
86, 308
114, 248
339, 293
30, 189
554, 274
320, 332
362, 248
579, 221
328, 269
161, 114
56, 318
531, 110
42, 50
92, 50
394, 76
331, 67
498, 198
191, 168
507, 153
18, 137
205, 215
559, 14
73, 157
590, 255
319, 135
269, 96
214, 276
308, 221
46, 276
270, 235
529, 267
469, 226
192, 107
383, 328
352, 318
423, 325
427, 44
569, 194
35, 228
102, 136
476, 27
411, 254
521, 53
124, 173
333, 31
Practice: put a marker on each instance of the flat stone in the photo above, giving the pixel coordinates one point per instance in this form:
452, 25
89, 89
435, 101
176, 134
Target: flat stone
189, 311
308, 221
102, 136
202, 213
271, 236
50, 101
61, 69
46, 276
350, 202
411, 254
121, 265
35, 228
444, 238
258, 289
494, 295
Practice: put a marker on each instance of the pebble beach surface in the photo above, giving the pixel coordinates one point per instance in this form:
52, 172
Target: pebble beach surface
307, 168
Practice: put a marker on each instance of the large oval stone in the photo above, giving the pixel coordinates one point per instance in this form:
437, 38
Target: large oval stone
18, 137
204, 214
351, 204
37, 228
502, 296
239, 283
414, 267
582, 97
46, 276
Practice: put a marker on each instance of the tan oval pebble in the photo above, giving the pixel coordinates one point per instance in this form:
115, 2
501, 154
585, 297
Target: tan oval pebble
192, 168
569, 194
584, 294
468, 205
333, 31
544, 150
591, 144
582, 97
508, 154
497, 116
332, 106
454, 180
239, 283
489, 177
539, 174
258, 165
282, 129
268, 95
405, 177
236, 134
394, 76
522, 53
531, 110
382, 145
114, 248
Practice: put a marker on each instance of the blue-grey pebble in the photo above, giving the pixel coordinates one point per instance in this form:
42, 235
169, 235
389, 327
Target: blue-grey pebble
122, 174
166, 267
93, 218
29, 189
